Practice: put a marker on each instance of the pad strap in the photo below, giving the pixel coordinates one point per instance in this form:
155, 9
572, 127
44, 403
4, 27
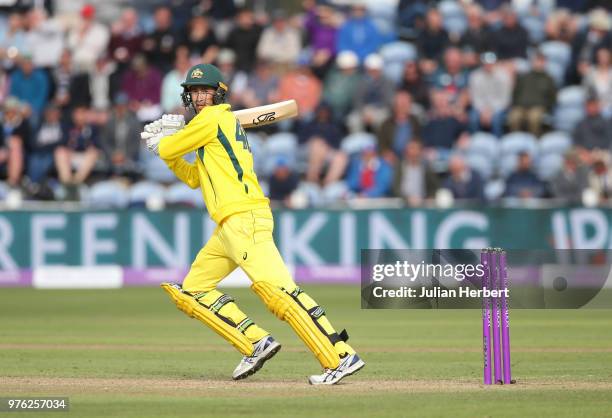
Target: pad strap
209, 315
315, 313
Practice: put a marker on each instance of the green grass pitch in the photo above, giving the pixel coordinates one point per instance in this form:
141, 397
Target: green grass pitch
131, 353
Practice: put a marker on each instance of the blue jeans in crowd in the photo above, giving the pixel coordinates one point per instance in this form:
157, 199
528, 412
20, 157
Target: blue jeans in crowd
39, 165
497, 122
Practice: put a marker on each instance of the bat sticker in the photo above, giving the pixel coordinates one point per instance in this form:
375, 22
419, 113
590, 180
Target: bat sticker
265, 117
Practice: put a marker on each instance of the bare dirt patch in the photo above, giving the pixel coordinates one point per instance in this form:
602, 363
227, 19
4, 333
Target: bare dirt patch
260, 388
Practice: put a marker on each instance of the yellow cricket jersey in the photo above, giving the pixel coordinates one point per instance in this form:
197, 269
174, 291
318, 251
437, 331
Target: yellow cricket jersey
224, 164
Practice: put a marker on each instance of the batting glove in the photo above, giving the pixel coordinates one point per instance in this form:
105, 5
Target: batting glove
166, 125
153, 143
171, 124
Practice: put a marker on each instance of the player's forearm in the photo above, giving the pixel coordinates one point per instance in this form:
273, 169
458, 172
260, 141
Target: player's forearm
186, 172
189, 139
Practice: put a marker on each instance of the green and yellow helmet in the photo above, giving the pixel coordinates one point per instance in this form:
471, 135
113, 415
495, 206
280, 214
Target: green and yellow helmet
204, 75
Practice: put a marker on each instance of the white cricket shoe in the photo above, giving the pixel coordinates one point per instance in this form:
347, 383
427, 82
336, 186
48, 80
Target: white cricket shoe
264, 350
348, 366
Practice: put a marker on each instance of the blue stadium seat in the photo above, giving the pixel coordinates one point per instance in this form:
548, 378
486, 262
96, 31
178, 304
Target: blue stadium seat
557, 51
571, 96
453, 17
265, 187
256, 143
484, 143
557, 71
555, 143
494, 189
108, 195
283, 144
516, 142
3, 190
354, 143
522, 65
455, 25
450, 8
335, 192
395, 55
507, 164
179, 194
143, 191
566, 118
482, 164
384, 16
155, 169
549, 165
534, 26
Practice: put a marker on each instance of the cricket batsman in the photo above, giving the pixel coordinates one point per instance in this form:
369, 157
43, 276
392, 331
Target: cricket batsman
223, 170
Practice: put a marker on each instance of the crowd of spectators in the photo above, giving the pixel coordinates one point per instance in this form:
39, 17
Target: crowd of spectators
482, 99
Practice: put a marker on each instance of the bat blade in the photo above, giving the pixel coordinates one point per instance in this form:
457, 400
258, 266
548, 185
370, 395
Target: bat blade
265, 115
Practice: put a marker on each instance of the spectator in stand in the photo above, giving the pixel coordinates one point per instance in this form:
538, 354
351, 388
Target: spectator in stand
523, 182
44, 39
600, 176
491, 5
321, 26
13, 138
359, 34
401, 128
373, 97
575, 6
88, 40
585, 44
432, 41
491, 92
80, 151
235, 79
534, 95
410, 18
598, 79
594, 132
511, 40
301, 84
261, 86
561, 26
463, 182
478, 37
4, 85
31, 86
369, 175
142, 84
160, 45
201, 40
70, 88
126, 38
43, 143
415, 84
443, 129
243, 40
221, 12
104, 82
283, 181
452, 77
280, 43
414, 179
171, 84
12, 38
322, 137
340, 82
571, 181
121, 138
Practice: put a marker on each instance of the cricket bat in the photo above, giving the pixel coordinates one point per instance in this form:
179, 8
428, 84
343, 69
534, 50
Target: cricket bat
260, 115
265, 115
